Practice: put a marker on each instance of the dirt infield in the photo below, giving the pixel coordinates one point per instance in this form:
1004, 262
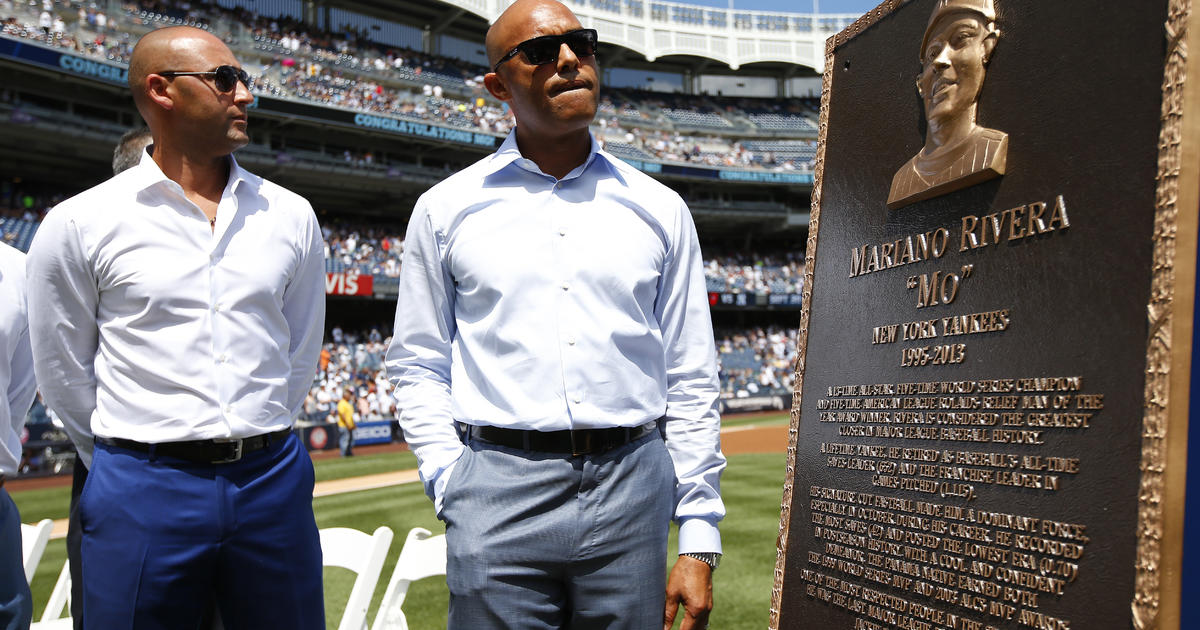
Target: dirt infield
754, 439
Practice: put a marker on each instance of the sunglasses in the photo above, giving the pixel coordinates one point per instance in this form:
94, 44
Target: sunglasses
544, 49
224, 77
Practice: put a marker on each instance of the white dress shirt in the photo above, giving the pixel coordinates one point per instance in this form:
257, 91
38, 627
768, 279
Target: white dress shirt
528, 302
16, 361
151, 326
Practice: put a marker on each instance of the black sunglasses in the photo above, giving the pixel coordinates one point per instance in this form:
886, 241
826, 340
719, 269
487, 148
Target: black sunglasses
544, 49
224, 77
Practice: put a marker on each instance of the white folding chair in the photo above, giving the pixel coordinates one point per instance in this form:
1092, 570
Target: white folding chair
423, 555
60, 601
362, 553
33, 544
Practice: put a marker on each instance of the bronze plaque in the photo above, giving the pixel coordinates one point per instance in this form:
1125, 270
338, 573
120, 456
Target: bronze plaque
990, 376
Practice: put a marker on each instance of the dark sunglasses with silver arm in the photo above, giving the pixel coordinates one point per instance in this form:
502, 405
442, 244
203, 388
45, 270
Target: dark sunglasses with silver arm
224, 77
539, 50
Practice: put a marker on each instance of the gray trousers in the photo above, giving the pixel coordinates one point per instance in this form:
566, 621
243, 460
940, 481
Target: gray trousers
539, 540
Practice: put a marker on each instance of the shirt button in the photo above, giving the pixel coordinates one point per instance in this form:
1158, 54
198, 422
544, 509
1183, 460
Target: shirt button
566, 286
228, 409
578, 400
570, 341
224, 358
218, 306
562, 231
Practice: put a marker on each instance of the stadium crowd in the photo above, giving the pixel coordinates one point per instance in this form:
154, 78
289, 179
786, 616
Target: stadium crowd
753, 362
377, 251
346, 69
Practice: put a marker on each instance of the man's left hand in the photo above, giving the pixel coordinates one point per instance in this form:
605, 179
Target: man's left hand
690, 584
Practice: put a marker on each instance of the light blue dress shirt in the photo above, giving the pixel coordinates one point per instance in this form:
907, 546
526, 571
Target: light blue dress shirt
529, 302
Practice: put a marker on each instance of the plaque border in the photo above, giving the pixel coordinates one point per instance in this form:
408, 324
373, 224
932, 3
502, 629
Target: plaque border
1159, 554
1161, 492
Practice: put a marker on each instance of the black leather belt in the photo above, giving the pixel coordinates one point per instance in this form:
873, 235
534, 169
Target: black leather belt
214, 451
577, 442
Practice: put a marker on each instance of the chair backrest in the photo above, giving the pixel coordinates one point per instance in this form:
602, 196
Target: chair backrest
423, 555
33, 544
362, 553
60, 599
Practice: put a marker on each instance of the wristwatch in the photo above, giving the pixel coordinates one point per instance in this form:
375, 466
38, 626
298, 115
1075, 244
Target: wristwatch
712, 559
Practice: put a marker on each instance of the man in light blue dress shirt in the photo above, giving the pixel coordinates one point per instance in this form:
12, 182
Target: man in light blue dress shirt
552, 329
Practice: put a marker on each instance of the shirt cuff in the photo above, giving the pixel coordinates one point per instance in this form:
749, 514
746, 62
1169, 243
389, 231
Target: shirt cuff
698, 535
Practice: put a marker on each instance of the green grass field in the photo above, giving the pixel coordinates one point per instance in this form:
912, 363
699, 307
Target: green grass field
752, 487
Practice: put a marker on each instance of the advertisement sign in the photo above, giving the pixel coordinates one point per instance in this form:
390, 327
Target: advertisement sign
322, 437
349, 283
373, 432
750, 404
39, 55
377, 122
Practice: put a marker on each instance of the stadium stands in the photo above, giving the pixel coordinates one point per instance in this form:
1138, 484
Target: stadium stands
753, 362
347, 70
17, 232
375, 250
757, 361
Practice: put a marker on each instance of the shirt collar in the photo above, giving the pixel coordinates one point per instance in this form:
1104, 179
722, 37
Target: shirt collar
147, 173
509, 154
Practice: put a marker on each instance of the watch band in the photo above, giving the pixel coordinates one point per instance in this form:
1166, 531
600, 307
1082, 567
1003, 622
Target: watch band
712, 559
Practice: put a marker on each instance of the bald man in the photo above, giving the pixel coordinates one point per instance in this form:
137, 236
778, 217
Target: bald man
181, 305
552, 329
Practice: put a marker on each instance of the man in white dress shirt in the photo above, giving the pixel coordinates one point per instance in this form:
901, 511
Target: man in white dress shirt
18, 387
552, 328
180, 309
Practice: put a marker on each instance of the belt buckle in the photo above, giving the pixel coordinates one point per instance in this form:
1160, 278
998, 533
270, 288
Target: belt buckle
237, 450
585, 448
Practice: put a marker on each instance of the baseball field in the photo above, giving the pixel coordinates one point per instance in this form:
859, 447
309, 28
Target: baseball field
377, 488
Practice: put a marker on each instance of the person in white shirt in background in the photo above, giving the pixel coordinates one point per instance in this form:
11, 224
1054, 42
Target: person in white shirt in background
181, 305
552, 328
18, 387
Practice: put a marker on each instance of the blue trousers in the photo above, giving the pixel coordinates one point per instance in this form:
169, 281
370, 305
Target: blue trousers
165, 538
540, 541
16, 604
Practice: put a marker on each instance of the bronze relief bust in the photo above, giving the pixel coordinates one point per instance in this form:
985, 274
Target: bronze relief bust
958, 44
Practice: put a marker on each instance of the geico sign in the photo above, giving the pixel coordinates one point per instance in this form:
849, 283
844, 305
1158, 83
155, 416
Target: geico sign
375, 432
349, 283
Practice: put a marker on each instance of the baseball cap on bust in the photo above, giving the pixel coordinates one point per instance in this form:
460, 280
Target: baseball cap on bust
985, 8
